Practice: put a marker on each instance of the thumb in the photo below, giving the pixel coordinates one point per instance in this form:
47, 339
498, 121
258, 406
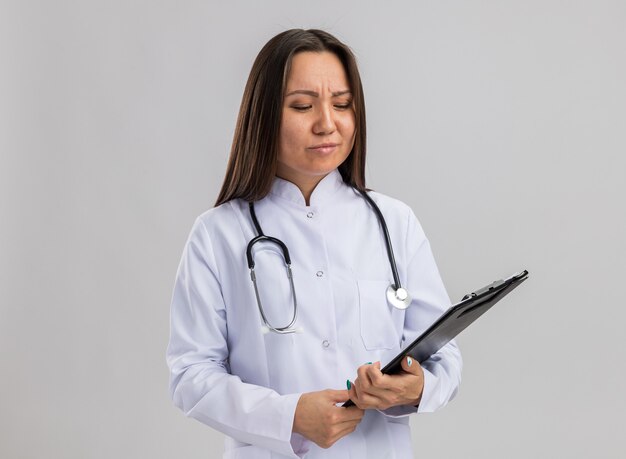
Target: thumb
410, 365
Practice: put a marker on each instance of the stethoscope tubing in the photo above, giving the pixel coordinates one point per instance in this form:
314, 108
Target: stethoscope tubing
251, 265
383, 224
396, 294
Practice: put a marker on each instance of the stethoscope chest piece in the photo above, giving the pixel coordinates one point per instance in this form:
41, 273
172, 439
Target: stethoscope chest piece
398, 298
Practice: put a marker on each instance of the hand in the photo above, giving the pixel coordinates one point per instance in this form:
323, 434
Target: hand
321, 421
373, 389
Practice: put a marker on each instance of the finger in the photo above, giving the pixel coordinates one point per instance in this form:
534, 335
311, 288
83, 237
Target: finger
354, 396
363, 376
381, 398
350, 415
369, 376
377, 378
348, 424
380, 389
369, 402
358, 412
337, 396
352, 392
368, 389
410, 365
364, 399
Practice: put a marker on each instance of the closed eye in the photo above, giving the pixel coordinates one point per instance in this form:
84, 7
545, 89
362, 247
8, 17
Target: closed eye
301, 108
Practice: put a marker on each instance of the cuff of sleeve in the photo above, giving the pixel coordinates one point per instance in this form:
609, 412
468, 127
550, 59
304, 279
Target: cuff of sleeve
399, 411
428, 402
298, 445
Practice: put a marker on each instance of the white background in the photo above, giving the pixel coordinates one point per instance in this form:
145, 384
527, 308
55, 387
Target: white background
501, 123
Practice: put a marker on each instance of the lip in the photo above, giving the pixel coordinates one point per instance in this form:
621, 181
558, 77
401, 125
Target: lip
324, 147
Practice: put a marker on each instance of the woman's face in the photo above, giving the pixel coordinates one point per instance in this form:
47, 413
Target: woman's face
318, 122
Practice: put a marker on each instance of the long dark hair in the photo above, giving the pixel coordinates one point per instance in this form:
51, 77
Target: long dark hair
252, 163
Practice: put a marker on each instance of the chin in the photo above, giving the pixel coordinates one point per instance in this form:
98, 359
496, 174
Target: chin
324, 168
322, 172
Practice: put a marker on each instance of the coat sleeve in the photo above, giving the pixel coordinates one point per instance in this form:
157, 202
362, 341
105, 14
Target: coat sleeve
442, 371
197, 355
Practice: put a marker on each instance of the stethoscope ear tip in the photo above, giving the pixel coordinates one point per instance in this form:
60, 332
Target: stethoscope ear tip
265, 330
299, 330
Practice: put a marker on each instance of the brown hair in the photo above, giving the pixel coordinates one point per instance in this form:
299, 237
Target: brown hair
252, 163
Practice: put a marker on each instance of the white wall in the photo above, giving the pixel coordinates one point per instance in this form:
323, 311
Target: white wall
502, 123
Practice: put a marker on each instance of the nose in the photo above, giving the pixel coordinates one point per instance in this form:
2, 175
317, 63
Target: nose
325, 122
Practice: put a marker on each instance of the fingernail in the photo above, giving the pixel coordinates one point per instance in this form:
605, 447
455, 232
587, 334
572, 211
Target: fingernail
409, 361
348, 384
368, 363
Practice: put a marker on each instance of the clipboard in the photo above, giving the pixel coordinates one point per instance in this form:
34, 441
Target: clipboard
456, 319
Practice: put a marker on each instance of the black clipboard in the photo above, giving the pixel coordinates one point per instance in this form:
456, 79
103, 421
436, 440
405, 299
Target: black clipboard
456, 319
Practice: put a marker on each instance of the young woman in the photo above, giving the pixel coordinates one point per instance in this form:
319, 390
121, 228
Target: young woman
287, 297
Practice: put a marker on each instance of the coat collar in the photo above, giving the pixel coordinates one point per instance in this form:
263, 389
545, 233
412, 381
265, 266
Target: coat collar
324, 189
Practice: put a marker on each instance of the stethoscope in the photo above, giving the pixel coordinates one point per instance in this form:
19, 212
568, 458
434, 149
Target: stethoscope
397, 296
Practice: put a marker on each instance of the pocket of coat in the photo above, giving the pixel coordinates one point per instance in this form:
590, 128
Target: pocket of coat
377, 328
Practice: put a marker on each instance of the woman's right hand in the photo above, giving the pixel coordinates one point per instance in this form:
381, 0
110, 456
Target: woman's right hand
321, 421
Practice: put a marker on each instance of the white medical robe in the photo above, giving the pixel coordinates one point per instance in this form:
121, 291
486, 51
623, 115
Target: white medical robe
228, 374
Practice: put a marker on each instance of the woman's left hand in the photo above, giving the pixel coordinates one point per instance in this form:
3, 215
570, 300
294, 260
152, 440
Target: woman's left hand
373, 389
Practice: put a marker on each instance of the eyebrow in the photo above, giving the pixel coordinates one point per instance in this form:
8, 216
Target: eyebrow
315, 94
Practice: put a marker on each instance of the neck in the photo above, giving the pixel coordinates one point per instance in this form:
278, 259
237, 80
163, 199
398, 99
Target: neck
307, 191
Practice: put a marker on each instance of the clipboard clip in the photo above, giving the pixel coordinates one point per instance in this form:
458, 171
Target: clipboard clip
495, 284
491, 286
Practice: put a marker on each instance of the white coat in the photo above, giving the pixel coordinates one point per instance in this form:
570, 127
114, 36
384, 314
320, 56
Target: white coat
229, 375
